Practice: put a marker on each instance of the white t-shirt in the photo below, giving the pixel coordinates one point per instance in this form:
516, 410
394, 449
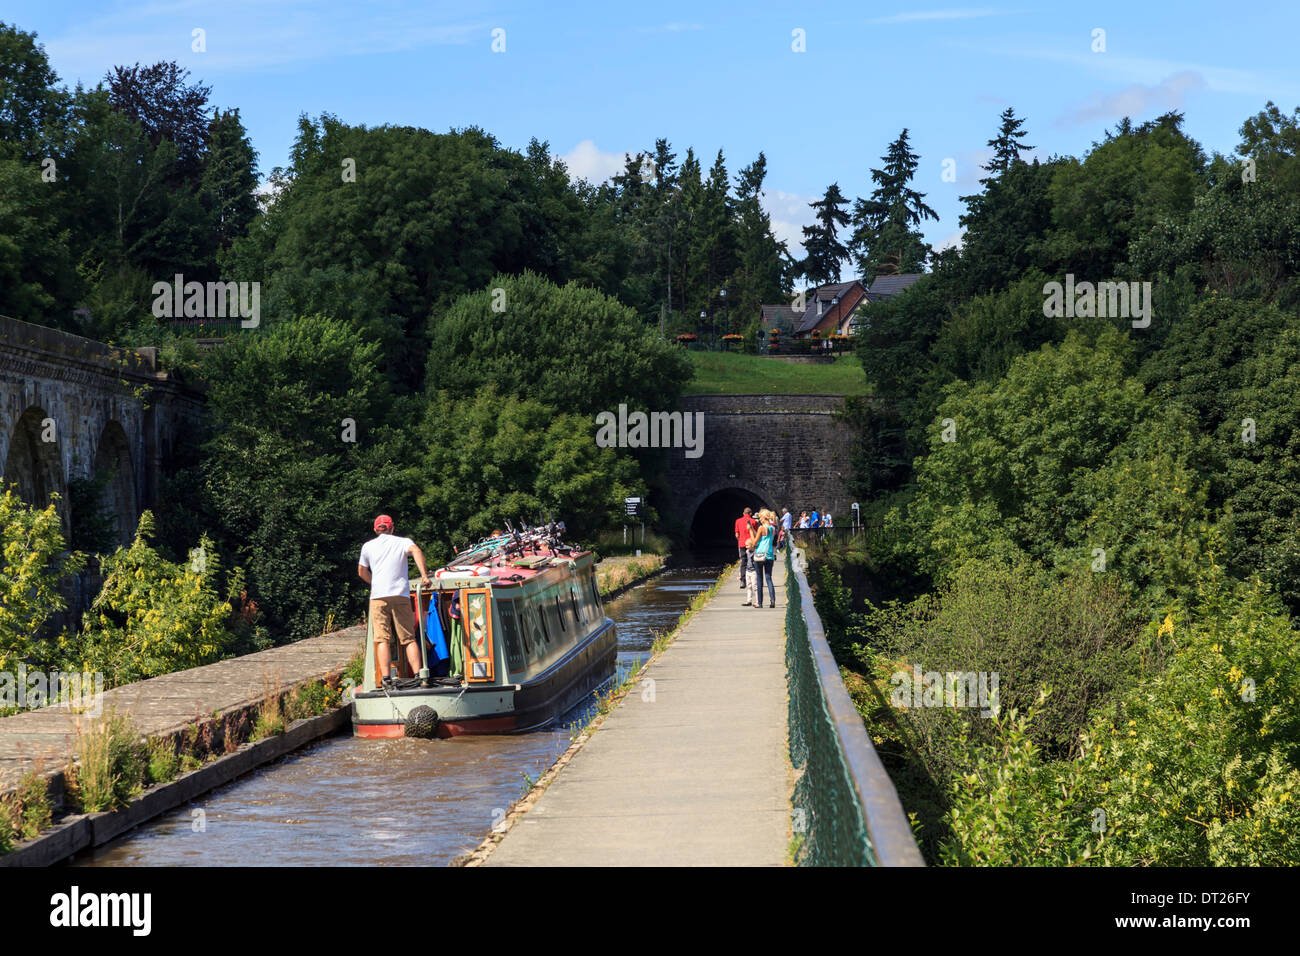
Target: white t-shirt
385, 556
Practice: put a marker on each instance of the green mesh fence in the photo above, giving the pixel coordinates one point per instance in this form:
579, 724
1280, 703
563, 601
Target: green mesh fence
827, 813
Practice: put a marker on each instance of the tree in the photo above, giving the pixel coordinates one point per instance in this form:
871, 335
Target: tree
154, 616
302, 457
1126, 184
885, 236
229, 185
1006, 145
426, 218
491, 458
570, 348
714, 238
166, 107
823, 251
32, 107
761, 274
1005, 226
1063, 455
1239, 239
38, 278
1272, 139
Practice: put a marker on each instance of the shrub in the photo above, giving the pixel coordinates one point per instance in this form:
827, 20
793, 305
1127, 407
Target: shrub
34, 799
355, 671
110, 767
25, 812
1197, 765
153, 616
10, 822
1028, 627
1200, 765
164, 761
32, 561
309, 700
1009, 808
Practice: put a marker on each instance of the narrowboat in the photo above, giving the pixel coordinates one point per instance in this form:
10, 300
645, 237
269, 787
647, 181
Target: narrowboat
520, 617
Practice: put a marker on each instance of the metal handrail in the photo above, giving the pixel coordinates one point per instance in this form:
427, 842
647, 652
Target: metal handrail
887, 826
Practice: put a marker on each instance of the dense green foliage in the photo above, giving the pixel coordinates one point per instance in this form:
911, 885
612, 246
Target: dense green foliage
302, 456
32, 561
154, 616
493, 458
1102, 514
566, 347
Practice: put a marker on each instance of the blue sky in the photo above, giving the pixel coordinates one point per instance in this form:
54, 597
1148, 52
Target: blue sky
598, 79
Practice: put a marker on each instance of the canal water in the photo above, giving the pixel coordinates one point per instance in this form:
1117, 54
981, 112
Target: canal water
344, 801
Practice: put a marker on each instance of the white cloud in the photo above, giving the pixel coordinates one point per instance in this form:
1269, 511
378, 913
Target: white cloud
588, 161
950, 241
1136, 101
789, 212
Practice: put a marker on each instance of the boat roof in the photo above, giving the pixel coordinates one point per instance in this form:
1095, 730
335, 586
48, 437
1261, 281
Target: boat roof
503, 571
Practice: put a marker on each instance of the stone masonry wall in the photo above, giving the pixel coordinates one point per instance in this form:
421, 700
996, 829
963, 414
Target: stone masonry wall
107, 405
787, 449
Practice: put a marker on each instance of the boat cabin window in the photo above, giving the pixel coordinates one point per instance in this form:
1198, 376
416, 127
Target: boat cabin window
511, 629
578, 615
559, 613
541, 627
549, 618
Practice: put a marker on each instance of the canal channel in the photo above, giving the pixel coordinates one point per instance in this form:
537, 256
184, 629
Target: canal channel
348, 801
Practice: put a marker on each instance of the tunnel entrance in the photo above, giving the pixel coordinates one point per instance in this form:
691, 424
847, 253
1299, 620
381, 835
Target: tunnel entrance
714, 524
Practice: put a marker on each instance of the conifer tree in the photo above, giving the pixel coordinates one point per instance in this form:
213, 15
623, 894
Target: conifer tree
885, 234
1006, 145
823, 251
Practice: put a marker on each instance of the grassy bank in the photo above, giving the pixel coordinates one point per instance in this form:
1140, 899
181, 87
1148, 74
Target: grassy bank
731, 374
613, 574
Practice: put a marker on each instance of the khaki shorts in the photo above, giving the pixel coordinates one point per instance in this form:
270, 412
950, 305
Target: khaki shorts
393, 614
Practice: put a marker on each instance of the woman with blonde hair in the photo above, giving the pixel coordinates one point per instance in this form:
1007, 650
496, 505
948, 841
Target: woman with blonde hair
765, 555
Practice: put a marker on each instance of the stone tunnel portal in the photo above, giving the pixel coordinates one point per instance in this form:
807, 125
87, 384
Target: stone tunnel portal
714, 523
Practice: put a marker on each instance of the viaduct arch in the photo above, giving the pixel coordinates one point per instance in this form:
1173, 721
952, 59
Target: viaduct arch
74, 408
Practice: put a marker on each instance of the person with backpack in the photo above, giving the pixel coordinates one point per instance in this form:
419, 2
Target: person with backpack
765, 556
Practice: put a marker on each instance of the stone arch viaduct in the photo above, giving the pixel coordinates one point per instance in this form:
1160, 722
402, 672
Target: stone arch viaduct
74, 408
760, 450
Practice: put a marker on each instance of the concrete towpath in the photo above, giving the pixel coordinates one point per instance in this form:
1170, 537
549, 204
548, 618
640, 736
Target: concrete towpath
692, 769
43, 739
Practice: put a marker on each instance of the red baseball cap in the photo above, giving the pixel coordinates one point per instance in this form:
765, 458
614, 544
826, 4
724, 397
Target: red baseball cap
383, 521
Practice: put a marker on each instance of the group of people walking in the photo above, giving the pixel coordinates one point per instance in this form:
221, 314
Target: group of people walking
758, 538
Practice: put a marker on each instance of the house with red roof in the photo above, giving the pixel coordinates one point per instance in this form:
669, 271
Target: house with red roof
836, 308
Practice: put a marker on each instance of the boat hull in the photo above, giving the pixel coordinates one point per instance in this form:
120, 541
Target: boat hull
496, 709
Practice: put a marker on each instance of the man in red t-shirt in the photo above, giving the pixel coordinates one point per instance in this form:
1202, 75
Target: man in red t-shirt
745, 526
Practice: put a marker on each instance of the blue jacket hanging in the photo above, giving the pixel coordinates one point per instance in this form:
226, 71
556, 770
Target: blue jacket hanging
433, 631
